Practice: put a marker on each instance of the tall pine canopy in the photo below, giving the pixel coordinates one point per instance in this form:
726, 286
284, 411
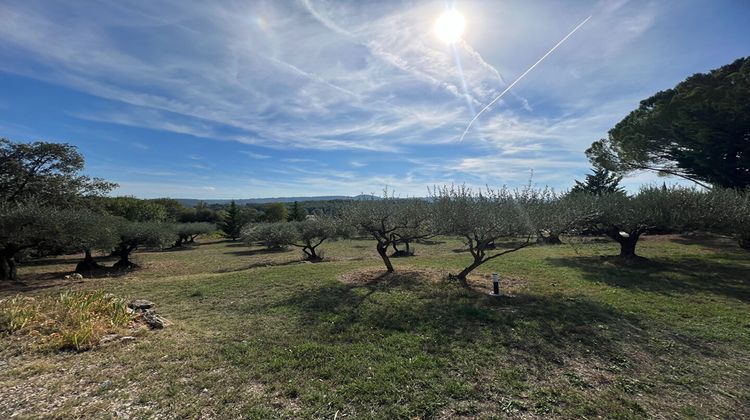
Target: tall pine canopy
699, 130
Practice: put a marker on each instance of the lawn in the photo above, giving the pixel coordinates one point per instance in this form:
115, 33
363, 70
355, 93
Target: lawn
258, 334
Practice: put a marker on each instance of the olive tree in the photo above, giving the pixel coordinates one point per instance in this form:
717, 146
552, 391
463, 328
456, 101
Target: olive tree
133, 235
312, 232
487, 216
421, 228
625, 219
743, 220
307, 234
272, 235
187, 232
384, 219
91, 231
728, 211
26, 226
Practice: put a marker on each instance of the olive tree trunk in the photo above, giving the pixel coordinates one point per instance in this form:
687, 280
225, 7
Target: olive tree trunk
461, 277
124, 253
549, 239
478, 252
8, 270
88, 264
627, 243
383, 252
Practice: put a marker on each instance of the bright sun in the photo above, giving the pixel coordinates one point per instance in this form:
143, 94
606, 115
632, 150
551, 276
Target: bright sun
449, 26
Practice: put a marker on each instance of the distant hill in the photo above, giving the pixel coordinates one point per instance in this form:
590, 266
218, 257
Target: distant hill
191, 202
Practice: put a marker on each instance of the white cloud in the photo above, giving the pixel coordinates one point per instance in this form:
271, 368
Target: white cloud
254, 155
366, 78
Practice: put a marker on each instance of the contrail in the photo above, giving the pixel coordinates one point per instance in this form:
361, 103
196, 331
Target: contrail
521, 77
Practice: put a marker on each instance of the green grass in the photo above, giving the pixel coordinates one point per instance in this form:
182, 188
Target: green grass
256, 335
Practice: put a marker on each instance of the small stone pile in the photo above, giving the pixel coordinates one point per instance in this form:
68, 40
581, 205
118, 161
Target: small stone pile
147, 312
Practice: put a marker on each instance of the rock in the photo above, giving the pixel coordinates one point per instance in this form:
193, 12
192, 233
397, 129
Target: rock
154, 321
127, 338
76, 276
140, 304
107, 339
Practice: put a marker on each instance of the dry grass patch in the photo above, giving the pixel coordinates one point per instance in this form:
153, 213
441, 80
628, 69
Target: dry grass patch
72, 320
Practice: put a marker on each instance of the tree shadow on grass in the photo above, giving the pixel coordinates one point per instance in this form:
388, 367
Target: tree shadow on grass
533, 329
184, 247
429, 242
669, 277
262, 251
715, 242
264, 264
234, 244
53, 279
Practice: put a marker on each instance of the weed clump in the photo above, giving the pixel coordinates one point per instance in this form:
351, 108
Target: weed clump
72, 320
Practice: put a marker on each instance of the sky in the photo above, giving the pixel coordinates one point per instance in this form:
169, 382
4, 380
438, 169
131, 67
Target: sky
240, 99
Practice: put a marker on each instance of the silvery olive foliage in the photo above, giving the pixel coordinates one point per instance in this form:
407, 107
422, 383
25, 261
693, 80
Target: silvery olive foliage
271, 235
187, 232
307, 234
485, 216
91, 231
625, 219
133, 235
51, 230
384, 218
313, 231
729, 214
28, 226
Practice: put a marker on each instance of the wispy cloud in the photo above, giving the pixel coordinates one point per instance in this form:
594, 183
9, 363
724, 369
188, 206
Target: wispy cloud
255, 155
341, 96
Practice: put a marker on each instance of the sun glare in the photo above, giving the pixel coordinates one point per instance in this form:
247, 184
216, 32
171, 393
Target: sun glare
450, 26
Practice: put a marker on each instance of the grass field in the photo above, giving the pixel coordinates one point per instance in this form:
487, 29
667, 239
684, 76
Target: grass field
261, 335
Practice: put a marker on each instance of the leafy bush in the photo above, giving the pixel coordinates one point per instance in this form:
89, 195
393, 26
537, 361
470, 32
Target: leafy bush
187, 232
69, 321
272, 235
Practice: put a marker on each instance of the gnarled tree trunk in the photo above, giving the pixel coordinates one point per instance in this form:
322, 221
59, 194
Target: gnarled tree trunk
382, 248
461, 277
88, 264
548, 238
627, 243
8, 271
124, 261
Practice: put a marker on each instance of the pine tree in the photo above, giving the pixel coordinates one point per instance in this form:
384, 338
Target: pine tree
297, 214
699, 130
601, 181
233, 220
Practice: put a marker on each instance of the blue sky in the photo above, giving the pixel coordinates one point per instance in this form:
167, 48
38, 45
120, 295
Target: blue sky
269, 98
